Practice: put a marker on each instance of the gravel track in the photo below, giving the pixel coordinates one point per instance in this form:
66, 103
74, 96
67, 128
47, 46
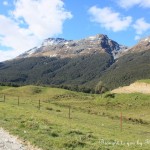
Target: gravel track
9, 142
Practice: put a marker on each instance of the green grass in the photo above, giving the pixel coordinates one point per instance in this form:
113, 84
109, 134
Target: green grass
94, 123
145, 81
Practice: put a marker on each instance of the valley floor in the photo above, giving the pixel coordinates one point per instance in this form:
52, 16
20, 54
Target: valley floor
57, 119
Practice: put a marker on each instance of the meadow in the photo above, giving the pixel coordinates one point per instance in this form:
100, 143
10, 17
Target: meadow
58, 119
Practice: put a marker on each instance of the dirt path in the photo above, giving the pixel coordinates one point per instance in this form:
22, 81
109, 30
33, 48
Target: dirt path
136, 87
9, 142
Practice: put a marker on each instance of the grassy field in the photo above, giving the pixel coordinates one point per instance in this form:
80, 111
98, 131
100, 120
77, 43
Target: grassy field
93, 123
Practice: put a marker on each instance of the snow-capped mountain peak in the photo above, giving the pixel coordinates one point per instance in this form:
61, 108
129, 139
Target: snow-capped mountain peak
53, 41
59, 47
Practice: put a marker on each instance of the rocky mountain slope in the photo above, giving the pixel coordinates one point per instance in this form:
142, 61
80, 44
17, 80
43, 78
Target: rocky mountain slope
134, 64
80, 64
143, 45
59, 47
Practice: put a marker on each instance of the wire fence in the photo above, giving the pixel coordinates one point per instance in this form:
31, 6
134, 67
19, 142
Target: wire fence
70, 110
32, 103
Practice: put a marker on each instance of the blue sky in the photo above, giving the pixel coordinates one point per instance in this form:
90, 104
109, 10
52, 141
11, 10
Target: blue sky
26, 23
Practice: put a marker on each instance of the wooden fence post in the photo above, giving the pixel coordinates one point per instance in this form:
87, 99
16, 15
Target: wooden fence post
39, 104
69, 112
4, 98
121, 121
18, 101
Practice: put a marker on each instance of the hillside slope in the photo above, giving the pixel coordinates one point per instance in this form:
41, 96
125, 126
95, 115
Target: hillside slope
81, 71
128, 69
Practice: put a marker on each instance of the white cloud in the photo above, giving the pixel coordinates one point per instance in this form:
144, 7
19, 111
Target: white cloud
109, 19
15, 36
44, 17
5, 3
141, 26
137, 37
29, 23
5, 55
131, 3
